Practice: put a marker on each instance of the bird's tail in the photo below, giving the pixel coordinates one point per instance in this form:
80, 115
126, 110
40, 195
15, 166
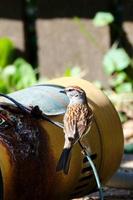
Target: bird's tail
64, 161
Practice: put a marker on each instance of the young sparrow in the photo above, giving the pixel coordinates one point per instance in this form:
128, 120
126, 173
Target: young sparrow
77, 120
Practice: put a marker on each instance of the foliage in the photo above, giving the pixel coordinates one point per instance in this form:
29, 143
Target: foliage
116, 59
16, 76
103, 19
6, 52
119, 67
73, 71
116, 62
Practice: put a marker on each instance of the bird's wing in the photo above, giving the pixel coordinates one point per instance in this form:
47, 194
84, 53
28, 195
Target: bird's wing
77, 120
71, 126
70, 123
84, 121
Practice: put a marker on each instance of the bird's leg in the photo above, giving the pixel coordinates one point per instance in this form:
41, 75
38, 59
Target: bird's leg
83, 147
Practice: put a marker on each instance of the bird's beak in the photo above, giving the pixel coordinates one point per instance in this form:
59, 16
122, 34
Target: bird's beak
63, 91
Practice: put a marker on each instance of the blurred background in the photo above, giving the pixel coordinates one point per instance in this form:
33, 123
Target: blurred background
44, 39
85, 38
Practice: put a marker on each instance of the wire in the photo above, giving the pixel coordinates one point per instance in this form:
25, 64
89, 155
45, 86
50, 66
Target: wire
19, 105
86, 153
96, 177
58, 124
30, 111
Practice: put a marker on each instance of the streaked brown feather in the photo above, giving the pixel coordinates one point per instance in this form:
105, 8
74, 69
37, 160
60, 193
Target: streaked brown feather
79, 114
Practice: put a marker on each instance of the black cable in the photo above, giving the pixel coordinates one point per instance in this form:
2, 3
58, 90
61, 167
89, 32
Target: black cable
35, 111
19, 105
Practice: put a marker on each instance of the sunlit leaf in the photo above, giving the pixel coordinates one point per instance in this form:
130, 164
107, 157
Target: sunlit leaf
116, 60
7, 75
108, 64
9, 71
25, 75
67, 72
103, 18
3, 86
73, 72
118, 79
6, 52
124, 87
121, 58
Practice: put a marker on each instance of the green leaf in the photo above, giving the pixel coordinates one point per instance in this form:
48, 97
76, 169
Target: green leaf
2, 86
116, 60
67, 72
6, 52
121, 59
25, 75
118, 79
7, 75
8, 71
103, 19
108, 64
125, 87
73, 72
17, 76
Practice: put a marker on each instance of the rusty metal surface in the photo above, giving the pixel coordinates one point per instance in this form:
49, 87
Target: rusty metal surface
31, 160
80, 181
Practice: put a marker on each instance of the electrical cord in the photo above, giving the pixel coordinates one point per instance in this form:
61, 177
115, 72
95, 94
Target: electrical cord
34, 111
86, 153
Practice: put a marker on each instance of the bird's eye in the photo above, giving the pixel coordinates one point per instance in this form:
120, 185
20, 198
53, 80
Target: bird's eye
70, 90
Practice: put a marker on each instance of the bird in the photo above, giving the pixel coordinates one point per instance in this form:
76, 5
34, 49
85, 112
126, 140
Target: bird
77, 122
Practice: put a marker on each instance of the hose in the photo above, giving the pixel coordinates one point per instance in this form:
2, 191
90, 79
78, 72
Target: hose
128, 148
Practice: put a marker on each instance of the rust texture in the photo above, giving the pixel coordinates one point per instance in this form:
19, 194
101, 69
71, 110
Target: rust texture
29, 149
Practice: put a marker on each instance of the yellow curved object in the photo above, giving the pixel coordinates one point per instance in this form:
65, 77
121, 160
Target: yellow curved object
104, 142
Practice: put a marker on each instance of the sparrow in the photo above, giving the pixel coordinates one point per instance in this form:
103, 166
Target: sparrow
77, 122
